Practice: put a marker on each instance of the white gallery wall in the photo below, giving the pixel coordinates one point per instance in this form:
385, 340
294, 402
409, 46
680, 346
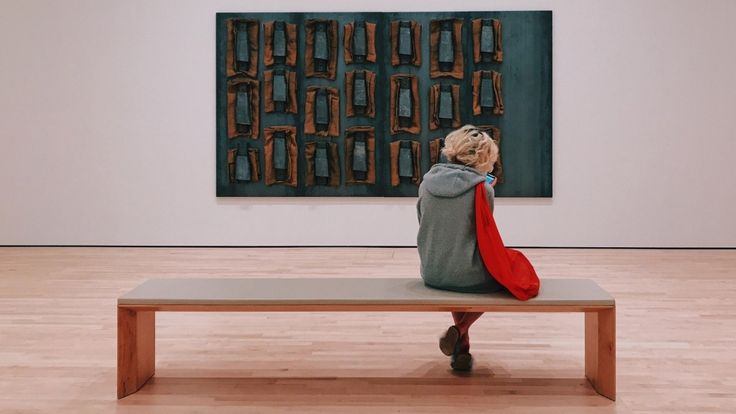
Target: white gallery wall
107, 130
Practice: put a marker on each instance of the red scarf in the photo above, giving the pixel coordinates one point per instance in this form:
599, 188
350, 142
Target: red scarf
508, 266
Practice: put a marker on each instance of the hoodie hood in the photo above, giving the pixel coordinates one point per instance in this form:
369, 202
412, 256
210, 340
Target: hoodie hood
451, 180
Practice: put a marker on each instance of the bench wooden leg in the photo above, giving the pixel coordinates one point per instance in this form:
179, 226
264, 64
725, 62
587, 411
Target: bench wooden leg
600, 351
136, 349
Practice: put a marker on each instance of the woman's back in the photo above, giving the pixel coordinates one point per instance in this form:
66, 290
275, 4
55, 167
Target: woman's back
446, 240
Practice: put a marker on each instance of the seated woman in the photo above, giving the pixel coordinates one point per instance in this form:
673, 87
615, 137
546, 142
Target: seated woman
448, 248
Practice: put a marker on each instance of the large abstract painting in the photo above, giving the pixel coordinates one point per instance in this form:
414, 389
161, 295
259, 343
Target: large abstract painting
358, 104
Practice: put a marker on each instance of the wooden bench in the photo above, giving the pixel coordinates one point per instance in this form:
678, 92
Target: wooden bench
137, 309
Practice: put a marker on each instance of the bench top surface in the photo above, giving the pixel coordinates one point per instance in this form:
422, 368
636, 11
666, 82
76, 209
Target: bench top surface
350, 291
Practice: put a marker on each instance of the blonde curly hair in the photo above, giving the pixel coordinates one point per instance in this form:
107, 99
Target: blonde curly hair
470, 146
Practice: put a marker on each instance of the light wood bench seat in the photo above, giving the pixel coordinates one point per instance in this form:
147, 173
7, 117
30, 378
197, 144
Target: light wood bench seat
137, 308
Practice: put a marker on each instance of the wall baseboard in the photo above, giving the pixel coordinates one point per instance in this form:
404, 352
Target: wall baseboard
356, 246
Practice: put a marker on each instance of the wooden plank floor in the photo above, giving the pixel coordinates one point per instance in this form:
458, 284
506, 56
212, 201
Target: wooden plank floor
676, 338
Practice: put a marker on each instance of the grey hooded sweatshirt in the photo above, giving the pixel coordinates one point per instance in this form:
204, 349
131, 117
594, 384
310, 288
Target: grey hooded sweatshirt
448, 247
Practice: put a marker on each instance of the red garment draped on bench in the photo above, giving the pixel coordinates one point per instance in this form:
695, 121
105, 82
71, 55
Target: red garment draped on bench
508, 266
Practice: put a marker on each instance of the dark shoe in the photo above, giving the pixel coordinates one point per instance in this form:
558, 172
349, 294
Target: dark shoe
462, 361
449, 341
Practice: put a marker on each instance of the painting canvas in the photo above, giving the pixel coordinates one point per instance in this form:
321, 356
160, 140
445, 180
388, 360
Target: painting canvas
358, 104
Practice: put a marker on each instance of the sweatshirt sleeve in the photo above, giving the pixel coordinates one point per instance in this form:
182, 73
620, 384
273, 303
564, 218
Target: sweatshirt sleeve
419, 210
